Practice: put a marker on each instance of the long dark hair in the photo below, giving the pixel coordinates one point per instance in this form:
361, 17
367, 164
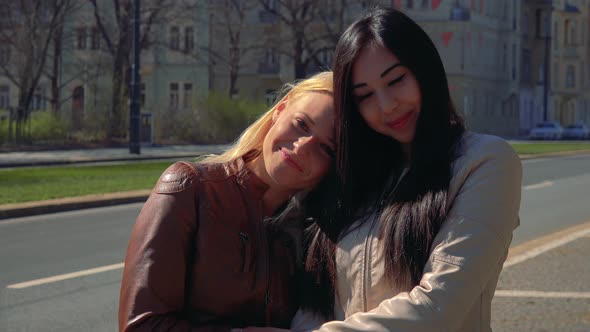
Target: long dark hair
410, 216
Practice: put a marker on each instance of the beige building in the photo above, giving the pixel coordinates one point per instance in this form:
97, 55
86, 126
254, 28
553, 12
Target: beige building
478, 42
555, 45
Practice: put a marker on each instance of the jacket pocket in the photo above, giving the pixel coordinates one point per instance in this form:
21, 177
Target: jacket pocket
246, 252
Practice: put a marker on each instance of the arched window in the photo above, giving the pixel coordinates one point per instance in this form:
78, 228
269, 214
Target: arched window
570, 79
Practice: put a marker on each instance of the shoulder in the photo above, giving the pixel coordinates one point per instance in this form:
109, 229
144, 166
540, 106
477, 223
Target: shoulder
178, 177
183, 175
477, 149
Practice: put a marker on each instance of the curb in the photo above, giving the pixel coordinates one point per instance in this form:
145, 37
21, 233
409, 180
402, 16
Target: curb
75, 161
73, 203
18, 210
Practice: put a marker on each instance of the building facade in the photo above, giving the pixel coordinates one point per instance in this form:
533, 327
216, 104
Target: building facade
555, 85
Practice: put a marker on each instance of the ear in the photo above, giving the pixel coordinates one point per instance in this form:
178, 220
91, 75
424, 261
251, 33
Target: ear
279, 109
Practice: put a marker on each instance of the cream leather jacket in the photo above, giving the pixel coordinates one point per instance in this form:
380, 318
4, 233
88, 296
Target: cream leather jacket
460, 277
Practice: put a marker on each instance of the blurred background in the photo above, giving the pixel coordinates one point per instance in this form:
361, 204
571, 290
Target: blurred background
98, 97
208, 68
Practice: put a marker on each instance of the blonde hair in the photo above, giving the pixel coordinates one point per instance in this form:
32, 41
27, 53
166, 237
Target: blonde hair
252, 137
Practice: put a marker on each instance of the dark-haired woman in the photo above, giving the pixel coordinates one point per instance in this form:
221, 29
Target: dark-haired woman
429, 208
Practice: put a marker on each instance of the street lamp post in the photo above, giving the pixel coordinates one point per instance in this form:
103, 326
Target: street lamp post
134, 116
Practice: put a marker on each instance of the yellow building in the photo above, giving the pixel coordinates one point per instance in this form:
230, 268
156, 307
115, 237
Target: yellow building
555, 46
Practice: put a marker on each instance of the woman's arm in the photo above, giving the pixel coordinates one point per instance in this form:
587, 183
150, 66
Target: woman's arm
467, 254
153, 287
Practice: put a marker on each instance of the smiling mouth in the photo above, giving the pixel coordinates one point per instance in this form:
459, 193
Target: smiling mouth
400, 122
291, 161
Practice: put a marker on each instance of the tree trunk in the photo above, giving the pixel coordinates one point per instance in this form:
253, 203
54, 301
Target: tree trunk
300, 70
55, 91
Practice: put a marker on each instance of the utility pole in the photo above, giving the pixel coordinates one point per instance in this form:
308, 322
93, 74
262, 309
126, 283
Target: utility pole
134, 111
547, 38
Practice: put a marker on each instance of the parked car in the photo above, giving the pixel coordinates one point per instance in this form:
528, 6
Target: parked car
576, 131
547, 130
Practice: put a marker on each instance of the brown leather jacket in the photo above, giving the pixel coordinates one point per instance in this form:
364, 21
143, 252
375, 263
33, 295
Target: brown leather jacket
201, 259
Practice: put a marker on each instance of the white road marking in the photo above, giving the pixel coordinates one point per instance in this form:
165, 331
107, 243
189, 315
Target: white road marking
534, 160
539, 294
534, 252
66, 276
538, 185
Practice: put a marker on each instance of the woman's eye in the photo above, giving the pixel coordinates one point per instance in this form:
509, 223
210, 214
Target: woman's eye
301, 124
329, 151
397, 80
359, 98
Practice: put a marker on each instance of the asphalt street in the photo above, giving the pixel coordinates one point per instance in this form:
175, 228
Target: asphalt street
61, 272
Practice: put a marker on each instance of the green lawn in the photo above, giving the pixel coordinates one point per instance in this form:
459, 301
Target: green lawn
33, 184
537, 148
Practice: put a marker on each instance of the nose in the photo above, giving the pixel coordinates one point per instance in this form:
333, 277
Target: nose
387, 101
304, 144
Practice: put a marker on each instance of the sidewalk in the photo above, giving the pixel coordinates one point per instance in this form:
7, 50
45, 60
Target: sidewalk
63, 157
49, 158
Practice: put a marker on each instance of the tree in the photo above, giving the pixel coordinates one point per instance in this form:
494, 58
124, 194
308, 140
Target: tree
114, 25
27, 29
229, 18
312, 29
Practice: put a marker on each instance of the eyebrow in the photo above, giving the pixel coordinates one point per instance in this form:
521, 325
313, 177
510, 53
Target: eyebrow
313, 123
390, 68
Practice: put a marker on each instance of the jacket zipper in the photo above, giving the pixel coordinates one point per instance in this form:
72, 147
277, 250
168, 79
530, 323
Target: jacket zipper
265, 260
366, 262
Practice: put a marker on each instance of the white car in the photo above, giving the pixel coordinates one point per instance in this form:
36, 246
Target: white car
546, 130
576, 131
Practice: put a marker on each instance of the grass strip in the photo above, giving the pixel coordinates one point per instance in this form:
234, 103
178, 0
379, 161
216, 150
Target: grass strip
538, 148
34, 184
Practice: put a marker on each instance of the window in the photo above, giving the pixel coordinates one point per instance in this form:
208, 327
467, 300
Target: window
570, 79
173, 96
574, 40
525, 75
505, 58
525, 27
270, 96
4, 96
174, 38
4, 54
556, 35
326, 58
94, 39
555, 75
81, 38
189, 39
514, 64
270, 56
566, 32
187, 99
582, 80
142, 94
39, 102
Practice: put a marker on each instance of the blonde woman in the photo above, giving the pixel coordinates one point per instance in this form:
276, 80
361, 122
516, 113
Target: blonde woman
201, 257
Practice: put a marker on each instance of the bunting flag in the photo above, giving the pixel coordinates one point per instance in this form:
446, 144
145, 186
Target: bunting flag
435, 4
397, 4
446, 37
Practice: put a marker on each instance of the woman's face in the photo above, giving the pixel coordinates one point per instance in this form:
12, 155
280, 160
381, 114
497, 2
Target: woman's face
387, 94
299, 147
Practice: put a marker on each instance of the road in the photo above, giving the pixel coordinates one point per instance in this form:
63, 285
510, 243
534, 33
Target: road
556, 195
